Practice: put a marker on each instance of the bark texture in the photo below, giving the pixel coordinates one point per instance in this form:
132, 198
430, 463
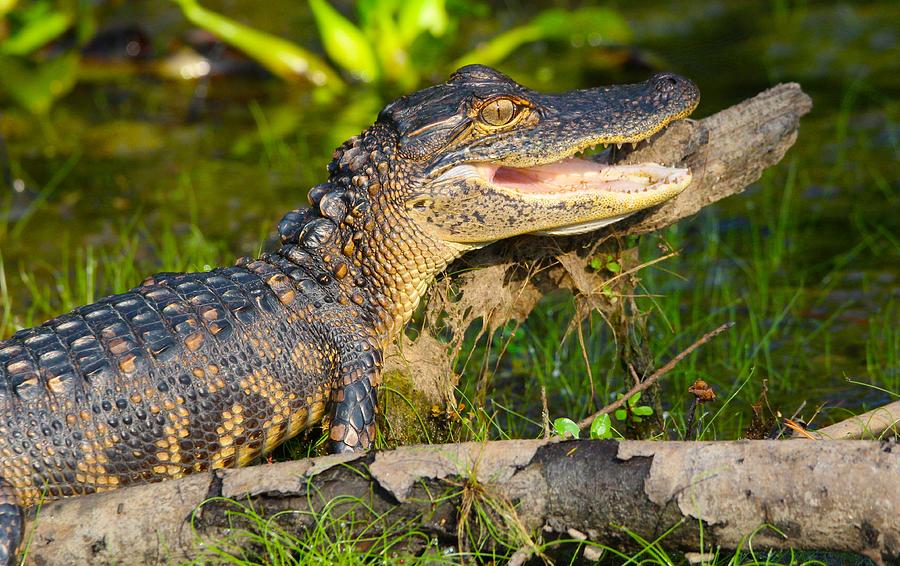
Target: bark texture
823, 495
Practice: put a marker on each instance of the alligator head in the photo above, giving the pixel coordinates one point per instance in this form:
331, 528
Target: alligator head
478, 159
498, 160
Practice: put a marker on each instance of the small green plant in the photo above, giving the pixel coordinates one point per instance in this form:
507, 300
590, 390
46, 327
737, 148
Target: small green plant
632, 410
606, 263
601, 428
391, 43
34, 80
565, 427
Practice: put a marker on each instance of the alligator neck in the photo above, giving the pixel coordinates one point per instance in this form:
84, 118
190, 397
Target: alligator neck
358, 231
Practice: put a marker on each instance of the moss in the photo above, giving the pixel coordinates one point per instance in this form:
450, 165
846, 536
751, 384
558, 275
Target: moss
408, 416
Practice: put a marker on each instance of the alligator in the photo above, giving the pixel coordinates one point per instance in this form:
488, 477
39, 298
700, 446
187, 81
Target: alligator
194, 371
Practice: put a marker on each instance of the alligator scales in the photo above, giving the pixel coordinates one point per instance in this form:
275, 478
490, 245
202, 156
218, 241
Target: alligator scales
192, 371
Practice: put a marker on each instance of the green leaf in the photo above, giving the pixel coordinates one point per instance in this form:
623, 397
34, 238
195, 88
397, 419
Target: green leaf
390, 47
595, 26
643, 411
280, 56
621, 414
36, 86
6, 6
498, 48
601, 427
417, 16
596, 264
367, 10
36, 33
345, 43
563, 426
613, 267
633, 400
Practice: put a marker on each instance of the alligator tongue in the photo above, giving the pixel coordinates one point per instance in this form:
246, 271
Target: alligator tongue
575, 174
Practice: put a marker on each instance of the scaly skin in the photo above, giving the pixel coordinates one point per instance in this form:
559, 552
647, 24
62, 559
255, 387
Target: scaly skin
189, 372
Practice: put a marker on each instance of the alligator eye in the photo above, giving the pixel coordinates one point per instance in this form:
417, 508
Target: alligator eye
499, 112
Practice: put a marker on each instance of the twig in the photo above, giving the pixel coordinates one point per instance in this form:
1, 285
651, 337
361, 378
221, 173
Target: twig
545, 412
587, 365
781, 424
634, 374
689, 429
798, 429
637, 268
586, 422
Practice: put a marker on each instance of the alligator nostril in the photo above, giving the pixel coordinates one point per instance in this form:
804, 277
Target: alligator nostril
666, 83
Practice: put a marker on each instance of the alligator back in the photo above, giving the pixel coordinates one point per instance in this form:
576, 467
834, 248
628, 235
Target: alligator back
184, 373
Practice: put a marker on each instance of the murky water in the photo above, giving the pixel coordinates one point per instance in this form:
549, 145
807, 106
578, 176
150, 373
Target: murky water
133, 151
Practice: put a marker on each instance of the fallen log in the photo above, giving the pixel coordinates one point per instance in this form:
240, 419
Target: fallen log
815, 495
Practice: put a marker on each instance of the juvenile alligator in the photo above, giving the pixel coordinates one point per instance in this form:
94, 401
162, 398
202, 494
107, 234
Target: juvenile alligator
192, 371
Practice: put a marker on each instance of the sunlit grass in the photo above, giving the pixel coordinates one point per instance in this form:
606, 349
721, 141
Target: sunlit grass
344, 531
347, 531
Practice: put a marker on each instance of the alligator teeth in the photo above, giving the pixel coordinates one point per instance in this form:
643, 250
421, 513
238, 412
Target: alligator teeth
634, 146
606, 145
618, 146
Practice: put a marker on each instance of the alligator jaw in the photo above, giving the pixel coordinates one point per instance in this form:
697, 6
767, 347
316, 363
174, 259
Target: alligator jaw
577, 195
617, 190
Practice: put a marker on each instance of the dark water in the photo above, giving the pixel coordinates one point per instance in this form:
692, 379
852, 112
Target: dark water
155, 158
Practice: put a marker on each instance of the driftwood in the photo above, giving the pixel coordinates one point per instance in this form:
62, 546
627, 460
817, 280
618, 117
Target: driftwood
871, 424
725, 152
792, 493
819, 495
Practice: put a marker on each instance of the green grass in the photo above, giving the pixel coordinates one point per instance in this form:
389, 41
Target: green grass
346, 532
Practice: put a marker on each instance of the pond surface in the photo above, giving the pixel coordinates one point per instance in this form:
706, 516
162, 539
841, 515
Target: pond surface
158, 173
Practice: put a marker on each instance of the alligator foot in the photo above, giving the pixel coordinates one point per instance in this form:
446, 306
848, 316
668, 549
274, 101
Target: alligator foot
12, 521
353, 421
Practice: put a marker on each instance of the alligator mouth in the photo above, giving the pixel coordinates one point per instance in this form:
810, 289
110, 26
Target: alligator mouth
622, 189
573, 174
564, 194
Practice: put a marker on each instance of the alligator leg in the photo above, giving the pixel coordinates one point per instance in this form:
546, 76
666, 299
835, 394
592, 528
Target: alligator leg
12, 521
354, 403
